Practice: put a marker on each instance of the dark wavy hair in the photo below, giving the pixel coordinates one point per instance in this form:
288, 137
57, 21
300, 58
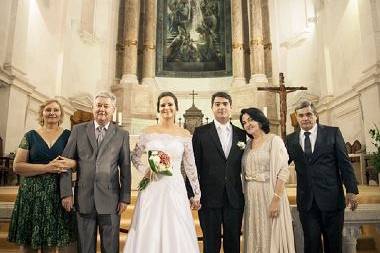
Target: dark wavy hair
258, 116
167, 94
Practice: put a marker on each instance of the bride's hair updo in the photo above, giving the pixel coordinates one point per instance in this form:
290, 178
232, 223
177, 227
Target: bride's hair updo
167, 94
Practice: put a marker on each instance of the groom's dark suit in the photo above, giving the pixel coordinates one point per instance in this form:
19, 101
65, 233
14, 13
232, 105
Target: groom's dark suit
222, 197
320, 195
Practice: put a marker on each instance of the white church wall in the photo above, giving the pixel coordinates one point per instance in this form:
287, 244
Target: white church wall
16, 124
44, 46
341, 37
5, 21
295, 36
335, 56
16, 18
89, 62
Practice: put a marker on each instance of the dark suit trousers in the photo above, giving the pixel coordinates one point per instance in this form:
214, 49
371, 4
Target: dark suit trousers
212, 220
109, 226
329, 224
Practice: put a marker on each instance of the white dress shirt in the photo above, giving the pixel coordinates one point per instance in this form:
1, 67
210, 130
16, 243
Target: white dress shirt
225, 136
312, 136
96, 128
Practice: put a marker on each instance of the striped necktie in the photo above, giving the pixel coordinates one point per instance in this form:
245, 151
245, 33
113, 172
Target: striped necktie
101, 131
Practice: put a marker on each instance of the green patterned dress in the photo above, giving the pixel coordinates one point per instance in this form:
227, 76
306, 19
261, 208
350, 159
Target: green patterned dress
38, 218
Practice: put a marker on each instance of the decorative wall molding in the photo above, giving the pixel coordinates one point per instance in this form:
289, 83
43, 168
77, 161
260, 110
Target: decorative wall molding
81, 102
296, 40
370, 77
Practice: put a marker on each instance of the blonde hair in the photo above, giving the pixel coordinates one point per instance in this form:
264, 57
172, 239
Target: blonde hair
42, 107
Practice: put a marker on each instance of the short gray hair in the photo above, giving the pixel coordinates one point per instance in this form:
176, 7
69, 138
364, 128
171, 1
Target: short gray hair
304, 104
106, 94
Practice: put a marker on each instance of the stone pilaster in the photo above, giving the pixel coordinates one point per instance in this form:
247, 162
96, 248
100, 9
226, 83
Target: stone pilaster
256, 43
150, 20
237, 43
131, 27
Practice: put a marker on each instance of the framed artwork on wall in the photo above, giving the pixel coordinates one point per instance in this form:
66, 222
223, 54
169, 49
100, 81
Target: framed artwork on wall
193, 38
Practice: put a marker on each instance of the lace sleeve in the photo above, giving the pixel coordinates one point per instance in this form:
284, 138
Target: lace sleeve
137, 153
191, 169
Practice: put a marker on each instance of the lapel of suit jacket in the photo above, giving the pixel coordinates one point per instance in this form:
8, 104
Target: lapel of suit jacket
91, 134
107, 137
318, 142
297, 145
235, 139
215, 138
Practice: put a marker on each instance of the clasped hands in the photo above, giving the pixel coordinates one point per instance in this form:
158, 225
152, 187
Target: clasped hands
60, 164
195, 204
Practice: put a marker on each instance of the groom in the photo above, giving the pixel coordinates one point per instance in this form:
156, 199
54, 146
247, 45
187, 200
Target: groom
218, 160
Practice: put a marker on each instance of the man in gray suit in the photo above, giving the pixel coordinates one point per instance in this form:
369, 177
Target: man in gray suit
103, 186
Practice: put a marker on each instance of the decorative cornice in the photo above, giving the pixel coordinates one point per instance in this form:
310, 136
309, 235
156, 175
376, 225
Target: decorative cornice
302, 95
296, 40
370, 77
14, 76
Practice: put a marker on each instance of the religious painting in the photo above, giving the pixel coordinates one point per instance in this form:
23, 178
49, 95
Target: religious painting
193, 38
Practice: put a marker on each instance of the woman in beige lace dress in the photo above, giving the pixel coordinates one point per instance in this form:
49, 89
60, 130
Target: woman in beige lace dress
267, 218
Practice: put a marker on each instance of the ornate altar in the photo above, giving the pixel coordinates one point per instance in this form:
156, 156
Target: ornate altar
193, 117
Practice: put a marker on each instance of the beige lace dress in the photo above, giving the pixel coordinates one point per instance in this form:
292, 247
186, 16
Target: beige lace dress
261, 168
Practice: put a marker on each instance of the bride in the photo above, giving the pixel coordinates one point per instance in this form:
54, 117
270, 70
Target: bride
162, 220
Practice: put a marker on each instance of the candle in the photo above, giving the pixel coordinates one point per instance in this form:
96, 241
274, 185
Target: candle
120, 118
265, 111
114, 117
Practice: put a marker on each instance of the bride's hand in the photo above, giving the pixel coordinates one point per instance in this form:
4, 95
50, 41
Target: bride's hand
195, 204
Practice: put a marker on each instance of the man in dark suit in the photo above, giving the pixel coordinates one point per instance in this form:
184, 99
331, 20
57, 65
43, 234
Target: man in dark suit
218, 160
322, 166
103, 188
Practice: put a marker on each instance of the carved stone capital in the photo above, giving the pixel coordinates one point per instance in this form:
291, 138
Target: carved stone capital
149, 47
129, 43
239, 46
256, 42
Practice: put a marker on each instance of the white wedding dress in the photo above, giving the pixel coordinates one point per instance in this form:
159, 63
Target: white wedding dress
162, 220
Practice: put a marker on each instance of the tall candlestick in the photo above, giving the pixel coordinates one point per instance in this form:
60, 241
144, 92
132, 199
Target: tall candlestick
120, 118
265, 111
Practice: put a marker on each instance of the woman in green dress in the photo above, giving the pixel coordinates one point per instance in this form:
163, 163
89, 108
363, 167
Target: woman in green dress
39, 221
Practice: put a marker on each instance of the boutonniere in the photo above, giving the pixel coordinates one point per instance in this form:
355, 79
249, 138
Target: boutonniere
241, 145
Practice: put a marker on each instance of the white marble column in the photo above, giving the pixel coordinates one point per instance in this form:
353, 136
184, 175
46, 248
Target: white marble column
237, 43
150, 20
131, 28
256, 43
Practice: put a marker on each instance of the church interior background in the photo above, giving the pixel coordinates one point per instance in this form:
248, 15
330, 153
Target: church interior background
72, 49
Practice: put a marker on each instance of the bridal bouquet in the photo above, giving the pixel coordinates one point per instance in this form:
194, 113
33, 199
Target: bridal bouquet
159, 163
